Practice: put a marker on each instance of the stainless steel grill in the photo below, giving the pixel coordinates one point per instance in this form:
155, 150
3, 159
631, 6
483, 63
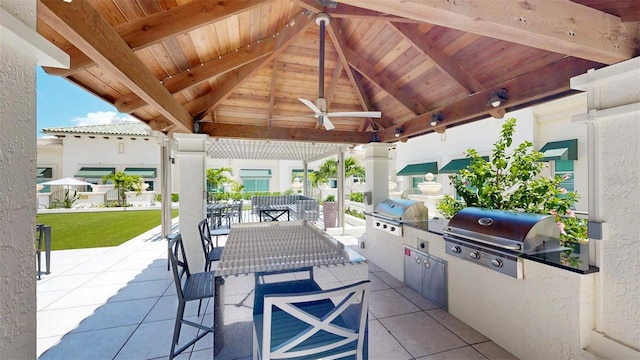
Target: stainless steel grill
390, 214
495, 238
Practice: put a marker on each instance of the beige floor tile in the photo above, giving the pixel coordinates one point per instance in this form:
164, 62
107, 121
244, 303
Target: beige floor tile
464, 331
420, 301
493, 351
382, 344
463, 353
384, 303
420, 334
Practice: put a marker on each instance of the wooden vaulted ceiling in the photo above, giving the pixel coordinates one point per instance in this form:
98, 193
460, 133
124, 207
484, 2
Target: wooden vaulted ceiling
236, 68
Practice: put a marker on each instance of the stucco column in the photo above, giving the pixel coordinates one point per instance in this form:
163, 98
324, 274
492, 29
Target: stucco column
376, 164
190, 162
613, 123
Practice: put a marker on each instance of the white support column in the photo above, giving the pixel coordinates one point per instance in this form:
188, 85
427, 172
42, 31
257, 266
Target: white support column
341, 171
613, 118
376, 164
190, 160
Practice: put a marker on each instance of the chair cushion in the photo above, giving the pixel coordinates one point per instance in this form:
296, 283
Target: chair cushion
284, 327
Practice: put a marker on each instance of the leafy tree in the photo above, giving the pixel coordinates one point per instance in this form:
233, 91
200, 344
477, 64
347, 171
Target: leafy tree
329, 169
217, 177
123, 182
511, 181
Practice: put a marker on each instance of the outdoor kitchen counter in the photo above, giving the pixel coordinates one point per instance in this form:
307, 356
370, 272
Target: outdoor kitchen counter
543, 315
578, 262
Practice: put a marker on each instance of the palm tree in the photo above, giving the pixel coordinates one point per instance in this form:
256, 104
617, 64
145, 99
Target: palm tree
329, 169
217, 177
122, 182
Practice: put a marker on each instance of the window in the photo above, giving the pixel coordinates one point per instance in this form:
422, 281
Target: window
255, 180
415, 180
565, 168
43, 174
255, 185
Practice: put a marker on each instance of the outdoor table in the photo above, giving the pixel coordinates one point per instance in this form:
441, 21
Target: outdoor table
215, 210
282, 246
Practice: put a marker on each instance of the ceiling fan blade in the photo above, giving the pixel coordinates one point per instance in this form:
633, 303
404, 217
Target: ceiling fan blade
371, 114
311, 105
327, 123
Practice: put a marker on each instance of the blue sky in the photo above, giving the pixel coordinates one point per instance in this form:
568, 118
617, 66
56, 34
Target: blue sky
62, 103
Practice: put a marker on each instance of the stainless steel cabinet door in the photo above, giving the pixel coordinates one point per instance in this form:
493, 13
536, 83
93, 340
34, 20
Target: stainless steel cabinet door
434, 279
413, 269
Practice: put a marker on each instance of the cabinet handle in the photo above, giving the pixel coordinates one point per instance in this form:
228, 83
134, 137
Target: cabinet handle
427, 264
418, 260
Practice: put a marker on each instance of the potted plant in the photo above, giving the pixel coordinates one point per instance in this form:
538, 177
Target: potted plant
330, 210
511, 181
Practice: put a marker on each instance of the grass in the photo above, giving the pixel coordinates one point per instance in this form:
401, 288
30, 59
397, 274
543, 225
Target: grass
98, 229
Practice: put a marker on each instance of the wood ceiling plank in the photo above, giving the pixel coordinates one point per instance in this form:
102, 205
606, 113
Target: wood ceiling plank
186, 79
238, 77
79, 22
363, 67
282, 133
154, 28
351, 12
560, 26
550, 81
444, 63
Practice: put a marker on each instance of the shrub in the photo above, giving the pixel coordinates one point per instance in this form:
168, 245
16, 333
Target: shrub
356, 197
175, 197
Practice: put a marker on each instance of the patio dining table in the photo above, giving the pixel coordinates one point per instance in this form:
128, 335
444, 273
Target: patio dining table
282, 246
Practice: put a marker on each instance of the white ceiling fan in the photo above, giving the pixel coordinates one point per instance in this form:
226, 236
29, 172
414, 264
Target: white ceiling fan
320, 106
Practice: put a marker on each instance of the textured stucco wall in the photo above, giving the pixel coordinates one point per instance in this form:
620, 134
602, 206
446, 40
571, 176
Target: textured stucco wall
539, 317
618, 201
17, 194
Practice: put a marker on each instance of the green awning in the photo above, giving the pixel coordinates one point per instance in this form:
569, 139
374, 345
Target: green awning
419, 169
142, 172
560, 150
94, 172
456, 165
255, 173
44, 173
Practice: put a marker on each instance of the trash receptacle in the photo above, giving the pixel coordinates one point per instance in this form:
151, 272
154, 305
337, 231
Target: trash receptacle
218, 315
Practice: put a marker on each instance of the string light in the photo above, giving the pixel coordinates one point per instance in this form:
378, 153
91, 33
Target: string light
291, 23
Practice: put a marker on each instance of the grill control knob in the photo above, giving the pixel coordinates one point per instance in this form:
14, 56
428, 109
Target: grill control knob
474, 255
384, 226
496, 262
456, 250
378, 224
393, 228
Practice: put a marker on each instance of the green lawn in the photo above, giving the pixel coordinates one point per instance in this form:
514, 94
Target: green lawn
98, 229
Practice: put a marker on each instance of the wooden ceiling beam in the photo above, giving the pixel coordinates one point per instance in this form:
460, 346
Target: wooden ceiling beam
159, 26
367, 70
353, 13
192, 77
285, 133
551, 81
238, 77
86, 29
444, 63
272, 95
340, 45
560, 26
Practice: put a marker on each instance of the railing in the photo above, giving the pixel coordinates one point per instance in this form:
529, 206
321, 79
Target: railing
113, 197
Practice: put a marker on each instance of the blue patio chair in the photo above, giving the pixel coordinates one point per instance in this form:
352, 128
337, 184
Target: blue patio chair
189, 287
211, 252
327, 324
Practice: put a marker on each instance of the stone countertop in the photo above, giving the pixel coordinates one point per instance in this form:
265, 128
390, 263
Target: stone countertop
577, 262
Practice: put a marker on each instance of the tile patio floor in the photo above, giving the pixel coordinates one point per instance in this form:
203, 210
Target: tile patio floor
120, 303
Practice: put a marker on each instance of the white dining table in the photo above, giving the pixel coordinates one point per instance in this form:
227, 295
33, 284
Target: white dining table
282, 246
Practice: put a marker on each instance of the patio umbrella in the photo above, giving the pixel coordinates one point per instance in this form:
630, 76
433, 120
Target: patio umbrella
67, 182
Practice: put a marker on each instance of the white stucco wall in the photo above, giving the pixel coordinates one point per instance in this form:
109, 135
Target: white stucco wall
613, 118
17, 193
453, 144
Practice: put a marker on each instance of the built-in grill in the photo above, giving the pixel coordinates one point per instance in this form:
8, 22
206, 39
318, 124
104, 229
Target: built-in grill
496, 238
390, 214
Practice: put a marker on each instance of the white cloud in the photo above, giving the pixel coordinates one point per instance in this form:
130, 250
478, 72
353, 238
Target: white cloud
102, 118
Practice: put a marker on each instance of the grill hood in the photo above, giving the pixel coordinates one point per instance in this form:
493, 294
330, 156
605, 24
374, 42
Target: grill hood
509, 230
401, 210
